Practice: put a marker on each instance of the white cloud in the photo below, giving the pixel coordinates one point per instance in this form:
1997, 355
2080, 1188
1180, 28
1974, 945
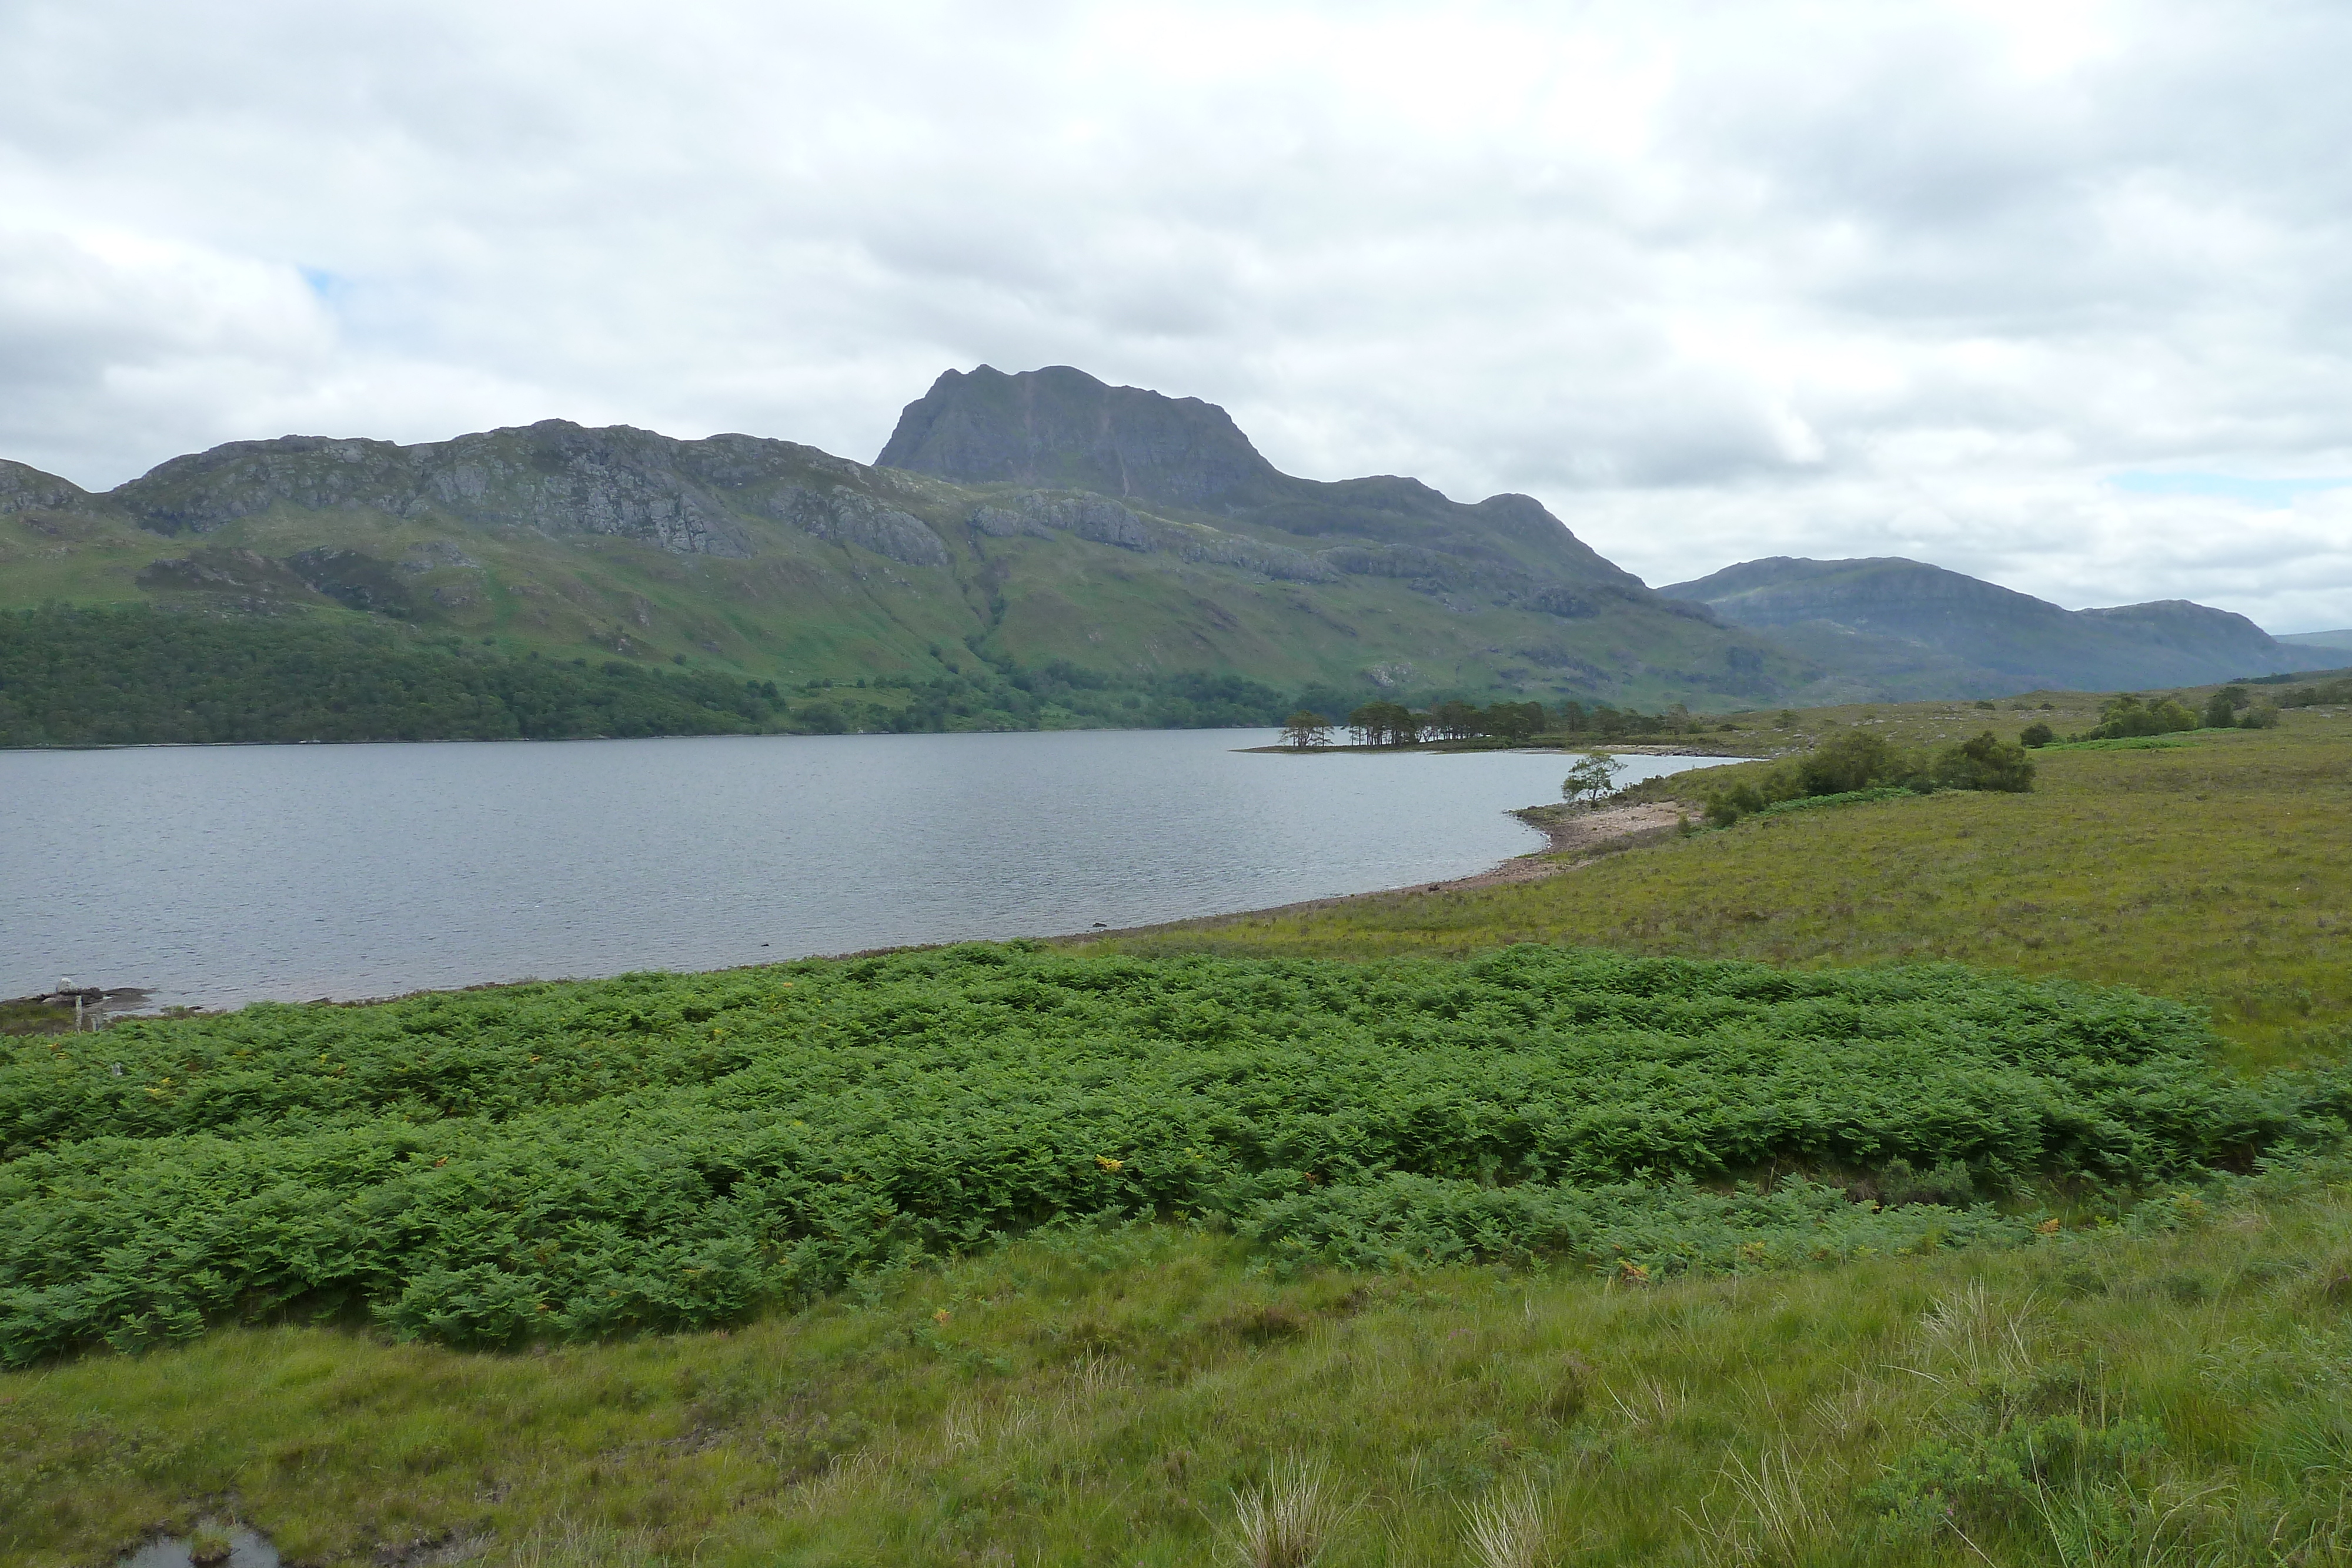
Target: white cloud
1797, 278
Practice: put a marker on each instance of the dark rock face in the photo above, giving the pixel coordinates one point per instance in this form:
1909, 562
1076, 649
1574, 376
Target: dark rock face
845, 516
1995, 636
354, 579
247, 578
1059, 428
242, 576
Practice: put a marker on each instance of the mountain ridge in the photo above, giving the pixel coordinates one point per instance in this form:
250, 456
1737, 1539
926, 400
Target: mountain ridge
1034, 519
780, 562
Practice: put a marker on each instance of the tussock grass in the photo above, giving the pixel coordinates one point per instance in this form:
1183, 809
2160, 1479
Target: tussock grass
1510, 1527
1286, 1521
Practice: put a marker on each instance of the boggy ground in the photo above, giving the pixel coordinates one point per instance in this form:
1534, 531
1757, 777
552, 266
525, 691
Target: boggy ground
2157, 1380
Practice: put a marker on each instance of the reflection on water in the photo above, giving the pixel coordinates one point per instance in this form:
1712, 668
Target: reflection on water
214, 875
246, 1550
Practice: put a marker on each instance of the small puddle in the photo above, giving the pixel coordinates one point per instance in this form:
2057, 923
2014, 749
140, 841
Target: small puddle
246, 1550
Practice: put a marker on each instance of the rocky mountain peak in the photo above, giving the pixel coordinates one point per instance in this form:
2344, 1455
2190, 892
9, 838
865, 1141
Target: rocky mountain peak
1059, 428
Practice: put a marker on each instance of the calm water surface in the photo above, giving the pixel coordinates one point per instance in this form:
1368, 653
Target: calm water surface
216, 875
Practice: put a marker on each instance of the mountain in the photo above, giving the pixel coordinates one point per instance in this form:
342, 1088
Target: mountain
1062, 428
1889, 627
1017, 522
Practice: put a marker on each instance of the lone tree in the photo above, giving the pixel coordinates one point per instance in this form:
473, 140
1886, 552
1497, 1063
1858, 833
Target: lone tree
1593, 778
1303, 731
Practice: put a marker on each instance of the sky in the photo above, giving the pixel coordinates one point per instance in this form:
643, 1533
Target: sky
2057, 294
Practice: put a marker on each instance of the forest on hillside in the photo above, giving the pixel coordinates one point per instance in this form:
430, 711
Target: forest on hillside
133, 675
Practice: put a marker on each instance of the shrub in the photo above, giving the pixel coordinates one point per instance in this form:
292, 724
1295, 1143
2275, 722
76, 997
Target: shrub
1988, 762
2004, 1478
1950, 1183
2123, 717
2036, 733
2313, 697
1854, 760
2221, 708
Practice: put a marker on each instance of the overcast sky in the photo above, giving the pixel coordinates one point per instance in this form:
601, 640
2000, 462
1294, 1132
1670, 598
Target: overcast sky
2056, 294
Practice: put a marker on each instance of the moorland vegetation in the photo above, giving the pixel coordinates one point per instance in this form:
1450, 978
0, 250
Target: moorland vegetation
1798, 1191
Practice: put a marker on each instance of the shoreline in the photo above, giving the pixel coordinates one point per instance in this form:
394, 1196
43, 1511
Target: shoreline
1577, 838
1700, 747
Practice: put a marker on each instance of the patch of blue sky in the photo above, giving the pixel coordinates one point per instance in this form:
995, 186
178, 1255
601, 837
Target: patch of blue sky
2232, 486
332, 288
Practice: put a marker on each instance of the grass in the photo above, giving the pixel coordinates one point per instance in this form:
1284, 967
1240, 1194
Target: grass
1137, 1396
31, 1014
2152, 1382
2207, 872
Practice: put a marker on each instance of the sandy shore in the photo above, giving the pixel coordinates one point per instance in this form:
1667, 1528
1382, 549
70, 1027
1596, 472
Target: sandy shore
1577, 834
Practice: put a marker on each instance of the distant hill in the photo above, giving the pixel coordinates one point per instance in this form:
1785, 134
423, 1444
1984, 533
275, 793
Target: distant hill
1890, 628
2326, 647
1017, 523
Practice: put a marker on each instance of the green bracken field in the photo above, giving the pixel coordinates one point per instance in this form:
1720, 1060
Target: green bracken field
1949, 1178
485, 1170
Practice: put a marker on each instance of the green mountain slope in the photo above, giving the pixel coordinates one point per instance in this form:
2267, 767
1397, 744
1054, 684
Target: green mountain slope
1891, 628
766, 559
